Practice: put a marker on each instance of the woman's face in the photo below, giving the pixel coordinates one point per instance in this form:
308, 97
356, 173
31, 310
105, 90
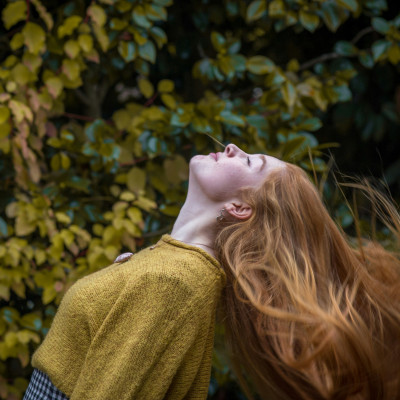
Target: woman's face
221, 175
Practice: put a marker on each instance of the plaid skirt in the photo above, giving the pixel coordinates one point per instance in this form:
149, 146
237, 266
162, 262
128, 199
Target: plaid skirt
41, 388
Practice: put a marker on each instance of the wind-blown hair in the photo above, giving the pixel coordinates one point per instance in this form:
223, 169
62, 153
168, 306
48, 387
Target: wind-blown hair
309, 315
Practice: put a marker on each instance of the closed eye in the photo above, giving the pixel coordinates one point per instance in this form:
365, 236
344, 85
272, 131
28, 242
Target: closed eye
248, 161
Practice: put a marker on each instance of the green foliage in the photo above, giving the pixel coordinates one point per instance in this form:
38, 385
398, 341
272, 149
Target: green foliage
102, 105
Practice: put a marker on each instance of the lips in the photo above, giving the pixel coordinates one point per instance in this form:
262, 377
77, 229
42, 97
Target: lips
214, 156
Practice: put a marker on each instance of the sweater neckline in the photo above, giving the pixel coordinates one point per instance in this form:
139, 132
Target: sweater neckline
167, 238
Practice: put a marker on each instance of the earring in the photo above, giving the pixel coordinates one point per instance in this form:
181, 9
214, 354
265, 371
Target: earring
221, 215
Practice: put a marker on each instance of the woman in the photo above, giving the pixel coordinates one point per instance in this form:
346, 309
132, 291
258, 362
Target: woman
307, 316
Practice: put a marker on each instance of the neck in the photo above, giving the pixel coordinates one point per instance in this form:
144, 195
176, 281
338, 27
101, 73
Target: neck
196, 226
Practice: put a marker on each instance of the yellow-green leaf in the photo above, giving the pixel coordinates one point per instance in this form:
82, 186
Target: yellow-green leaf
69, 25
165, 86
86, 42
97, 14
17, 41
276, 9
54, 86
20, 111
4, 114
136, 179
71, 48
46, 16
394, 54
13, 13
168, 100
34, 37
5, 130
289, 93
102, 37
22, 75
146, 88
71, 69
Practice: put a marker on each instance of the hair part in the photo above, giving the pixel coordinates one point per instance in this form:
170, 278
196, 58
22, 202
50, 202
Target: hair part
308, 315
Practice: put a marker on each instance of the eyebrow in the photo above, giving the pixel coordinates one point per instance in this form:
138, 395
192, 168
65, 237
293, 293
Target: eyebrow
264, 161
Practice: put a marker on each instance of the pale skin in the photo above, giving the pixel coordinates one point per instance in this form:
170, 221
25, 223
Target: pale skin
214, 184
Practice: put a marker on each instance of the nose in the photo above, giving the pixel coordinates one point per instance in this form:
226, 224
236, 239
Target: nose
232, 150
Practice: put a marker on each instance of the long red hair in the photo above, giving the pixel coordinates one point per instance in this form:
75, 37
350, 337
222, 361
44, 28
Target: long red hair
310, 314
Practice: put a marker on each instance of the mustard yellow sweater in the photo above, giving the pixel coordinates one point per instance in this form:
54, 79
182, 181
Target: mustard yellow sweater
141, 329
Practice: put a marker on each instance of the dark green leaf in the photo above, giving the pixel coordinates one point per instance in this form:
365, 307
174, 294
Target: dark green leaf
380, 25
345, 48
379, 48
330, 15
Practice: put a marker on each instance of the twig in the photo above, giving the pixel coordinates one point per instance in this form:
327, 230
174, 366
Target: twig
27, 10
362, 33
323, 57
151, 100
332, 56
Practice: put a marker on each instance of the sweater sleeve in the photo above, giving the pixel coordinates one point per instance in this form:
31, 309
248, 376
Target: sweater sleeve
69, 330
154, 348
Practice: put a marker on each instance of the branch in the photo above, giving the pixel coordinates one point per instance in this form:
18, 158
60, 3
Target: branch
151, 100
332, 56
363, 32
323, 57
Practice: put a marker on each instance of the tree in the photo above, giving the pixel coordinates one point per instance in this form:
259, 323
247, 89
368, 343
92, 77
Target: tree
102, 103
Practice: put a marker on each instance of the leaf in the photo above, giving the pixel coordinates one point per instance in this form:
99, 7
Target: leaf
3, 227
34, 37
71, 48
165, 86
146, 88
54, 86
20, 111
289, 94
168, 100
260, 65
366, 59
148, 51
379, 48
345, 48
308, 20
136, 180
4, 114
256, 10
155, 12
85, 42
350, 5
330, 15
127, 50
102, 38
139, 17
97, 14
22, 75
71, 69
159, 36
44, 14
231, 119
380, 25
276, 9
310, 124
17, 41
394, 54
69, 25
13, 13
218, 41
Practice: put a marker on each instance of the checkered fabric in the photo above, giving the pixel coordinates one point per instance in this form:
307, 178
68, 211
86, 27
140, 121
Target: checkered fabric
41, 388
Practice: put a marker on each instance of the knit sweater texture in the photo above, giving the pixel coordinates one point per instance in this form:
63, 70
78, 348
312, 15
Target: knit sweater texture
141, 329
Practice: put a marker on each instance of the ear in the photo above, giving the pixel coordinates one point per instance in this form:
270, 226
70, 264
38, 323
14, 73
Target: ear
238, 210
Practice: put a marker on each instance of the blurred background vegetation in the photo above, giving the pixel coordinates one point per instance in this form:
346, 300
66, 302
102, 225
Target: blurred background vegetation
103, 102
